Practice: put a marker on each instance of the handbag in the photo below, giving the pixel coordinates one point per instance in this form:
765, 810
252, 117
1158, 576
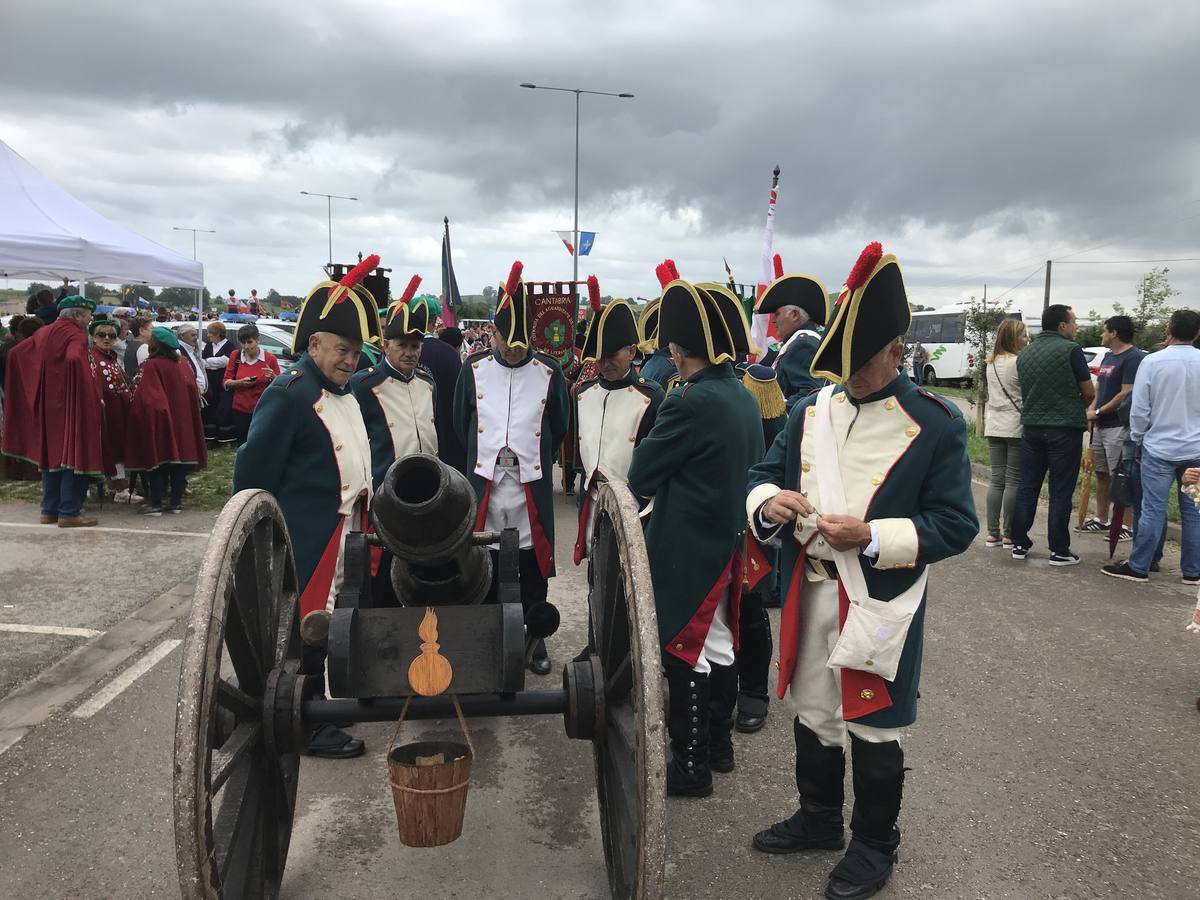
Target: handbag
873, 636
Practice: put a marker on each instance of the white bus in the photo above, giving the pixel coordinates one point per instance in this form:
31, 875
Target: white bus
942, 333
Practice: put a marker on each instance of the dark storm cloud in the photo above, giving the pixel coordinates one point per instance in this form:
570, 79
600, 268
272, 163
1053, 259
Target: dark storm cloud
956, 115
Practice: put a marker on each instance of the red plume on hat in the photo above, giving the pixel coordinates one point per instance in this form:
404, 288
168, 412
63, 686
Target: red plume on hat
411, 290
514, 278
778, 260
867, 261
663, 275
670, 264
358, 273
593, 284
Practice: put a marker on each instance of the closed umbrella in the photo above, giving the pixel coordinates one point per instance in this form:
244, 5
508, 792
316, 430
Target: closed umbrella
1085, 490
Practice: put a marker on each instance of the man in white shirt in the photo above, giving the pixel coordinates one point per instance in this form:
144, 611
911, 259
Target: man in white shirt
188, 336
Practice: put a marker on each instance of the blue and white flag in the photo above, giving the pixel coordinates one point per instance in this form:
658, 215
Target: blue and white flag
586, 239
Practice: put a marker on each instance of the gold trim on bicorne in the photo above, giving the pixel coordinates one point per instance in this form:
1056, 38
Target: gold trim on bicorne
597, 330
506, 298
699, 301
713, 287
649, 342
847, 309
817, 281
354, 295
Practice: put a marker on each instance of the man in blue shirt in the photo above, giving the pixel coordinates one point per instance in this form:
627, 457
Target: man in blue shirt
1165, 420
1114, 382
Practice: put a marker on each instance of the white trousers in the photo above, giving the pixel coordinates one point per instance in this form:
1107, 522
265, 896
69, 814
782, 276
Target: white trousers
816, 689
507, 506
718, 645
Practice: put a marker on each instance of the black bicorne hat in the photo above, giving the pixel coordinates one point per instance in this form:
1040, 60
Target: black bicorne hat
735, 317
648, 326
803, 291
513, 320
404, 320
691, 318
611, 329
871, 311
343, 308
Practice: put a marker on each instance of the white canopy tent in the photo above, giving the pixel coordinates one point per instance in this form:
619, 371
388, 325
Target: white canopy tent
47, 233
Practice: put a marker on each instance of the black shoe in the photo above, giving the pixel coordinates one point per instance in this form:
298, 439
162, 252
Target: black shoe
1122, 570
1064, 559
864, 870
748, 724
809, 828
539, 663
1019, 553
330, 742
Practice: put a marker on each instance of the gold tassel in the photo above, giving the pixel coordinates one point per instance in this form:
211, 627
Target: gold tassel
769, 396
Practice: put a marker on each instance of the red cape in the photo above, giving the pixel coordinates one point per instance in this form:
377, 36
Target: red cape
52, 403
164, 419
114, 389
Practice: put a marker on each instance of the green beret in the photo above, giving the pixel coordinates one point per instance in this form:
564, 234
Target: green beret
97, 323
76, 302
165, 336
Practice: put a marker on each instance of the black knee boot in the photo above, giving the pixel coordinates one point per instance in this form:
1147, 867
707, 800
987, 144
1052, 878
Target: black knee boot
722, 697
820, 781
878, 787
753, 664
688, 772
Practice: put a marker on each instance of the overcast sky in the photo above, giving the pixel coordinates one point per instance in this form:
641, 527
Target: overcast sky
974, 139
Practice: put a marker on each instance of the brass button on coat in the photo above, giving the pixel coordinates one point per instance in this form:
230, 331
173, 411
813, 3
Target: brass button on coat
807, 467
337, 447
866, 694
877, 480
911, 431
891, 404
679, 646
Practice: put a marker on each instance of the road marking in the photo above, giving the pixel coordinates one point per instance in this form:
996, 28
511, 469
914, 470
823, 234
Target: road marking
106, 530
113, 689
51, 629
9, 736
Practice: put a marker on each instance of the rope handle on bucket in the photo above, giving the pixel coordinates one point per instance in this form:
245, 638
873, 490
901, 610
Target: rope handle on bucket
462, 723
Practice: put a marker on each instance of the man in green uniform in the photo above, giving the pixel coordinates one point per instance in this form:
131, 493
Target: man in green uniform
308, 446
707, 435
511, 410
658, 366
798, 310
867, 485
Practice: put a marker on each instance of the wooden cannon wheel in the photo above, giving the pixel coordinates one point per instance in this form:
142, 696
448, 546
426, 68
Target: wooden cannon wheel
233, 798
629, 743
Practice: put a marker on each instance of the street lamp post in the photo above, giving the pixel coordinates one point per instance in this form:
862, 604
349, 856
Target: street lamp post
329, 198
199, 290
577, 92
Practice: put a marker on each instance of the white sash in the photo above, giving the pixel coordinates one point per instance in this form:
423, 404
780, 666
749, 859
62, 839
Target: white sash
872, 640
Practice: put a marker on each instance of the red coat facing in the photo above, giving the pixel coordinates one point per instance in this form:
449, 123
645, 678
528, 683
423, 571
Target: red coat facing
114, 391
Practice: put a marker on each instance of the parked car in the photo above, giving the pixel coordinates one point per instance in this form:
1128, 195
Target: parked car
279, 345
1095, 359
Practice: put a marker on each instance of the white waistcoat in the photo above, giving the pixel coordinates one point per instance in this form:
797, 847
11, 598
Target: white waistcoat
509, 405
608, 427
342, 417
408, 406
869, 445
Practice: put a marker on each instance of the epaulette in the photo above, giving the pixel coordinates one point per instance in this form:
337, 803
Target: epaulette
423, 373
584, 385
673, 382
648, 387
547, 359
951, 411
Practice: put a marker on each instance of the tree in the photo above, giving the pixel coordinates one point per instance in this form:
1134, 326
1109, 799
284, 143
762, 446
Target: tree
489, 294
917, 307
980, 323
131, 293
185, 298
1151, 312
35, 287
93, 291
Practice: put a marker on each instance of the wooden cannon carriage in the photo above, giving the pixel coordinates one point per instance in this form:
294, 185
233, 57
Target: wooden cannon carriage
244, 708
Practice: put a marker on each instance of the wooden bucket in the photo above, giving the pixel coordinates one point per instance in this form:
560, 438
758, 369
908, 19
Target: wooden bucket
429, 781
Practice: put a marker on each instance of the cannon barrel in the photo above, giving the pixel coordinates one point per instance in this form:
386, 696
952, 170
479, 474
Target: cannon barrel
424, 512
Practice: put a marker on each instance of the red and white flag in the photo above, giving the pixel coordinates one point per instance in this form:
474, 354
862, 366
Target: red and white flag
761, 329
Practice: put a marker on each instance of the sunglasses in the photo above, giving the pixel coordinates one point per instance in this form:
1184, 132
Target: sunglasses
102, 335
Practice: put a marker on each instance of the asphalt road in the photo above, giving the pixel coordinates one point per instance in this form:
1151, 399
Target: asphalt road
1056, 754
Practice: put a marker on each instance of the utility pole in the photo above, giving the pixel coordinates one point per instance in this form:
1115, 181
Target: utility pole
199, 291
1046, 300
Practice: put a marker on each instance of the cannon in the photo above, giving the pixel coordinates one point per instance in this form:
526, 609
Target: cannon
245, 707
